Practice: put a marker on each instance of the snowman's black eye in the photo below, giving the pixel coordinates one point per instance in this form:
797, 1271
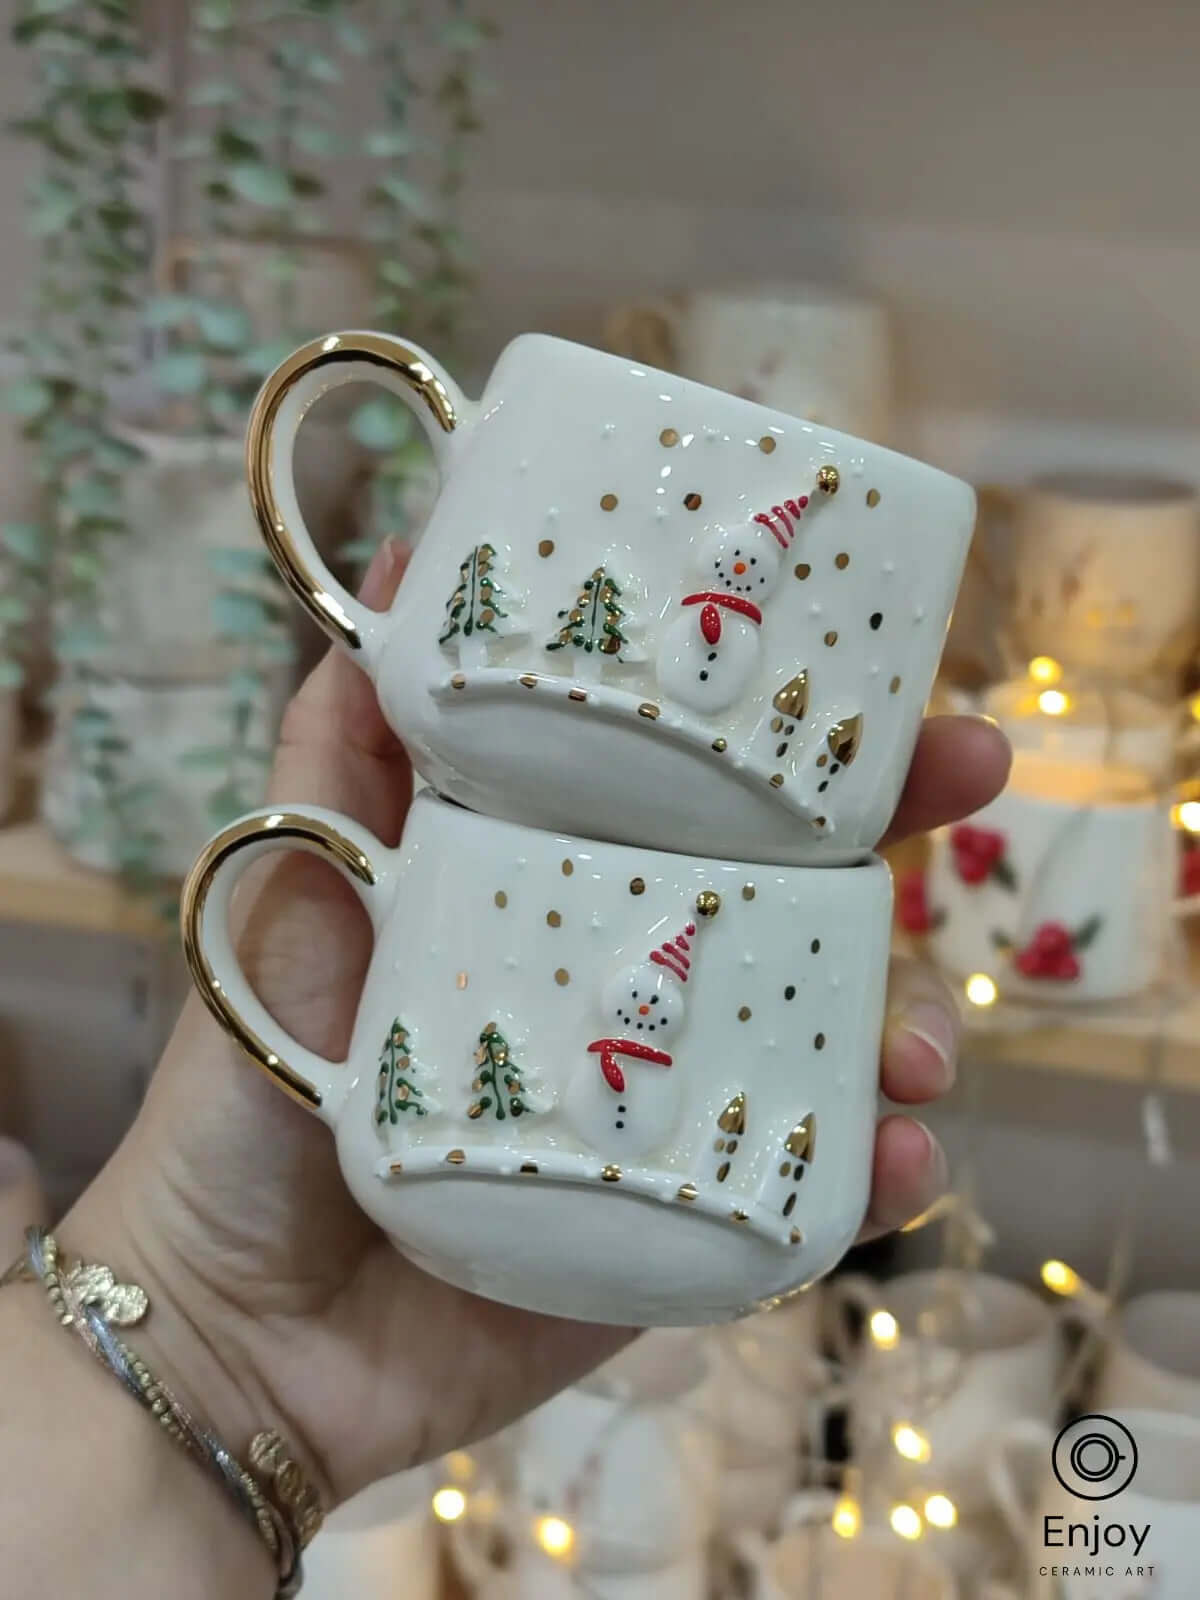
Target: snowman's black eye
753, 561
633, 996
653, 999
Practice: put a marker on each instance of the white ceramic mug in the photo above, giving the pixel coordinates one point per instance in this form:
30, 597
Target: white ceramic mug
1088, 725
1062, 888
1106, 571
515, 1568
815, 351
594, 1080
636, 1478
642, 608
370, 1541
1152, 1355
812, 1562
973, 1353
1155, 1518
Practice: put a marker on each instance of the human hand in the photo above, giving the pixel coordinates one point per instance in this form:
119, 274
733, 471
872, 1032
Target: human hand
277, 1301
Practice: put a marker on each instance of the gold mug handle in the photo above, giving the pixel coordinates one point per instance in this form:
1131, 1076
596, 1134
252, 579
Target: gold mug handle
314, 369
317, 1084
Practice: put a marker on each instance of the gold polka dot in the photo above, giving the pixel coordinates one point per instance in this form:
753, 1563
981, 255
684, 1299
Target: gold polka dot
458, 681
823, 759
554, 919
894, 686
722, 1172
562, 977
668, 437
829, 479
776, 780
501, 898
637, 885
747, 891
743, 1013
831, 637
608, 502
460, 982
873, 498
720, 746
545, 547
785, 1170
766, 444
802, 570
819, 822
568, 867
841, 561
708, 902
692, 501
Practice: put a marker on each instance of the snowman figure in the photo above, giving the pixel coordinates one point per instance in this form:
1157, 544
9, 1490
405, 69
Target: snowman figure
710, 653
625, 1098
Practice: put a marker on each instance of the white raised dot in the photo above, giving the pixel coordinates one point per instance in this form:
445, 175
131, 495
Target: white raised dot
608, 430
874, 671
889, 567
660, 511
815, 609
522, 466
918, 613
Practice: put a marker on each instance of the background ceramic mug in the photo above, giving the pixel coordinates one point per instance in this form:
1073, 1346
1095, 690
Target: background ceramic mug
1062, 888
640, 604
599, 1081
1152, 1356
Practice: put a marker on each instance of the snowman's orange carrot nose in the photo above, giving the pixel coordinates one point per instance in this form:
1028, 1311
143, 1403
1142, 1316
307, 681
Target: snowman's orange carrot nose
739, 567
643, 1011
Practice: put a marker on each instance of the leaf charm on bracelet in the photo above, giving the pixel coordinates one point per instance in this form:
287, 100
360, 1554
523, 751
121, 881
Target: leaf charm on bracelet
121, 1304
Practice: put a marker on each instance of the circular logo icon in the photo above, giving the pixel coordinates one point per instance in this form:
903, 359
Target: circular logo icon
1094, 1457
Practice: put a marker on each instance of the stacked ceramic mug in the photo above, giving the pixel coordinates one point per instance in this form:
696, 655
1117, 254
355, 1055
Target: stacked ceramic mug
661, 657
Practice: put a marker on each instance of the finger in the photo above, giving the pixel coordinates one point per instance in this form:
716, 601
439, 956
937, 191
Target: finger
960, 763
21, 1198
908, 1175
335, 747
921, 1034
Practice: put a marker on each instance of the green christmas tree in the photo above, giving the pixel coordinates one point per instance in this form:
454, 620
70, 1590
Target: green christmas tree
498, 1083
395, 1091
473, 608
593, 624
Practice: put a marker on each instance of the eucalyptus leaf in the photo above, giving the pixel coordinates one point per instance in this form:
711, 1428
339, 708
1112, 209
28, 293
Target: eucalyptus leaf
317, 141
388, 143
321, 68
262, 185
26, 541
170, 310
225, 327
216, 92
28, 397
80, 641
240, 564
48, 8
225, 804
395, 272
12, 674
239, 615
261, 359
205, 758
377, 424
353, 39
93, 497
145, 105
180, 372
13, 607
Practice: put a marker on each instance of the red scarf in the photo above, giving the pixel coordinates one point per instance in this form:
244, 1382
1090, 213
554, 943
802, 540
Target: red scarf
710, 617
609, 1049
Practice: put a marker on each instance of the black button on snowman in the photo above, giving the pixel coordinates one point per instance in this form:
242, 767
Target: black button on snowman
710, 653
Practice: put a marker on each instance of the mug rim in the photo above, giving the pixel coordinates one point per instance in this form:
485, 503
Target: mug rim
1037, 1316
1114, 491
1153, 1304
832, 438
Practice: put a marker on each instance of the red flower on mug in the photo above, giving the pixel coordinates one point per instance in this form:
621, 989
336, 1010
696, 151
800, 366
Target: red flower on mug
913, 912
1053, 952
1189, 871
979, 854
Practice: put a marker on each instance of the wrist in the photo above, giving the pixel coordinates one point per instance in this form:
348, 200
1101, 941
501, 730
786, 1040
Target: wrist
149, 1511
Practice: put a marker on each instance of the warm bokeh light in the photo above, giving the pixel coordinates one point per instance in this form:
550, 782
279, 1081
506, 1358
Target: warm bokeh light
1045, 670
460, 1465
449, 1504
981, 990
906, 1521
847, 1517
1053, 702
1186, 815
910, 1442
940, 1511
1057, 1275
885, 1330
1194, 707
556, 1537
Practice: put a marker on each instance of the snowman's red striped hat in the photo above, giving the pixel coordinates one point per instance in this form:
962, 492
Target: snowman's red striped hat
782, 520
674, 954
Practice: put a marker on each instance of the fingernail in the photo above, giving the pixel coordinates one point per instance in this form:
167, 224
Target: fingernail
377, 580
937, 1029
937, 1168
16, 1163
